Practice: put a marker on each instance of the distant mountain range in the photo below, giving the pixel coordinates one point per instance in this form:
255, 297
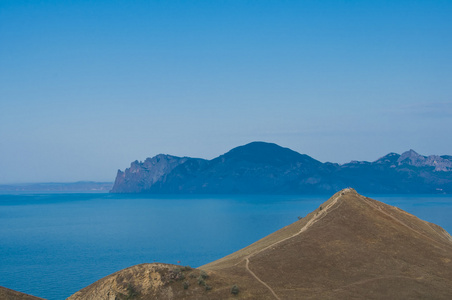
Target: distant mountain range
266, 168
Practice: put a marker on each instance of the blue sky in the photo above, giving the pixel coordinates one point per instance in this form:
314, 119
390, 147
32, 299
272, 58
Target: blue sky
86, 87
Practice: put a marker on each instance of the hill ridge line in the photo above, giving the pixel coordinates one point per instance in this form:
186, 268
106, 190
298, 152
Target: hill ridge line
379, 208
318, 216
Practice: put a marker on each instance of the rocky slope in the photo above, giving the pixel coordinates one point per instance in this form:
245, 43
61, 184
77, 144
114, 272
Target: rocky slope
7, 294
351, 247
141, 176
260, 168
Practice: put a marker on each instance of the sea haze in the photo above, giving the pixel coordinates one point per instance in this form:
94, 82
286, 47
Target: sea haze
52, 245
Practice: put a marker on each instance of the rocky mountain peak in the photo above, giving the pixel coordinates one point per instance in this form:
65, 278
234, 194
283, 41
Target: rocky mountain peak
141, 175
390, 158
411, 157
414, 159
440, 163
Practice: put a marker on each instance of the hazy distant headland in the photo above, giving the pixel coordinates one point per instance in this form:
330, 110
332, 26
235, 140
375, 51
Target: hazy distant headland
80, 186
266, 168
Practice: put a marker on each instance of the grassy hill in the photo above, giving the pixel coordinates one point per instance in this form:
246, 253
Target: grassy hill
351, 247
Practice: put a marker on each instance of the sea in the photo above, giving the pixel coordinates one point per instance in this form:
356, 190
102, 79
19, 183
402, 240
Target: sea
54, 244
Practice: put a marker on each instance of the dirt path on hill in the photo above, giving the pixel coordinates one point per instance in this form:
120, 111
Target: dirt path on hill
313, 220
260, 280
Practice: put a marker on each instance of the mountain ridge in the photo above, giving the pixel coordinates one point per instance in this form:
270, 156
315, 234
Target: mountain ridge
260, 167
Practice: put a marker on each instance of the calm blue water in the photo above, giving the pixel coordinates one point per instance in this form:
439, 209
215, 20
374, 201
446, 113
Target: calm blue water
52, 245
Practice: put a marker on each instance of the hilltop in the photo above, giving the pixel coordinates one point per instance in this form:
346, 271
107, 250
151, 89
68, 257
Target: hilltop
350, 247
266, 168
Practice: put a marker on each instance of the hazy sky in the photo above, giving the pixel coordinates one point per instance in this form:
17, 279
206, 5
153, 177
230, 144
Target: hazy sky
86, 87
